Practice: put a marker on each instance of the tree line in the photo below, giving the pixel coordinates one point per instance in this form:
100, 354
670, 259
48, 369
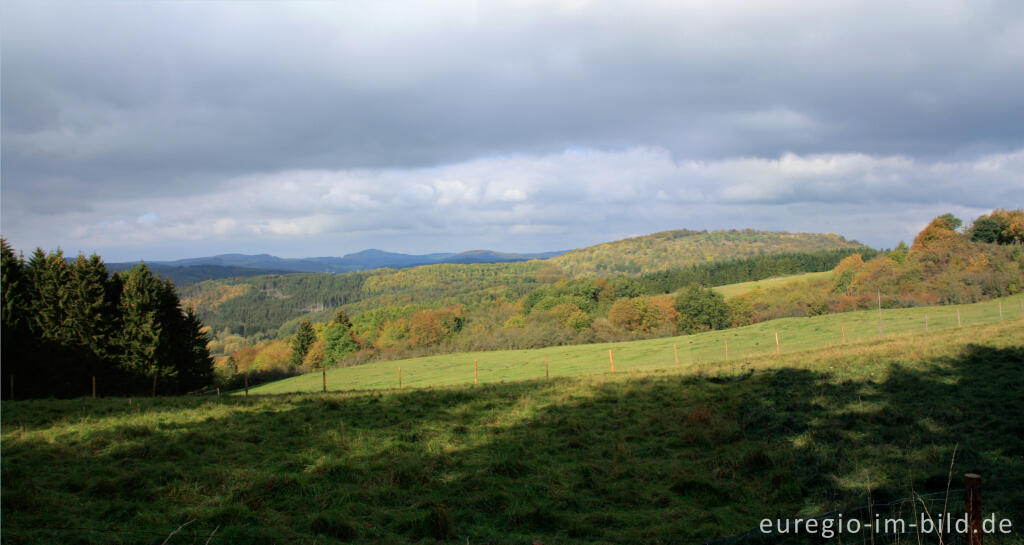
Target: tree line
65, 322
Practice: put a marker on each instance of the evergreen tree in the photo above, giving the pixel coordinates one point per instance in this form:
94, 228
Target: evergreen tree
339, 339
196, 367
141, 330
304, 339
15, 335
92, 315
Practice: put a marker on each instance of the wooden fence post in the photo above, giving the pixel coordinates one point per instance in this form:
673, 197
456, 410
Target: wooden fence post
675, 349
778, 349
611, 359
323, 374
474, 371
94, 386
547, 368
218, 392
972, 482
879, 313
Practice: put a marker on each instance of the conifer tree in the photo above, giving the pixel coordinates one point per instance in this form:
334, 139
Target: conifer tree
304, 339
141, 330
15, 335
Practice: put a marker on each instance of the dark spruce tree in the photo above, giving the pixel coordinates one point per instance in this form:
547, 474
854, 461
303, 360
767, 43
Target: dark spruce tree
304, 339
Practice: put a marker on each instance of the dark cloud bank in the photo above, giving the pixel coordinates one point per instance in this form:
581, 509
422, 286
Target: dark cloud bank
169, 129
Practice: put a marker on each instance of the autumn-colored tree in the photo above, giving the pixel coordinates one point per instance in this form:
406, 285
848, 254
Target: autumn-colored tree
432, 327
939, 229
315, 355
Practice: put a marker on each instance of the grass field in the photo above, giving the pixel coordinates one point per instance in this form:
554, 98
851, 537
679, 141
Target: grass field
732, 290
795, 335
644, 456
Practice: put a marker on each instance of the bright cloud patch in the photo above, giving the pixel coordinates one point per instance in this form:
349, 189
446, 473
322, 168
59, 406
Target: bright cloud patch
541, 200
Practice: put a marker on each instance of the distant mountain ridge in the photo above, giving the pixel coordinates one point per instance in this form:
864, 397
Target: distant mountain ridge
196, 269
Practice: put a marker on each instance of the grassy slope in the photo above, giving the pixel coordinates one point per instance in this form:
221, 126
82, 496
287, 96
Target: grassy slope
670, 249
670, 456
795, 334
732, 290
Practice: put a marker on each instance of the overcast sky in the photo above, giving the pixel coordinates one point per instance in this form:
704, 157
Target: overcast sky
163, 130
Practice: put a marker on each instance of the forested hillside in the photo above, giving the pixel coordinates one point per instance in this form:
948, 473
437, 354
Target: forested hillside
682, 248
453, 308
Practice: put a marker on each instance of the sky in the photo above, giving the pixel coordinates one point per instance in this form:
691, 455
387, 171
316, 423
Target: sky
164, 129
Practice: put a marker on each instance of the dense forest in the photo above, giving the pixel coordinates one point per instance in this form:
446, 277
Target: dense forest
69, 325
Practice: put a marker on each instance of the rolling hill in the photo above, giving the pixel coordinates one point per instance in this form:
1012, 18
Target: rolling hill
672, 249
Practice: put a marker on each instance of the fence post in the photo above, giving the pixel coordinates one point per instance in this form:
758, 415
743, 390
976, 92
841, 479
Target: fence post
879, 313
399, 377
611, 359
94, 386
727, 350
972, 482
218, 392
675, 349
547, 368
323, 375
474, 371
778, 349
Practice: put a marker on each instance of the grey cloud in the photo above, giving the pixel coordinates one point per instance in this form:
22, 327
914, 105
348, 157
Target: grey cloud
109, 105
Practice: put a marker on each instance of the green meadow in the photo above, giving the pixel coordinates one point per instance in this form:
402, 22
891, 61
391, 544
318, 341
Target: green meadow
732, 290
643, 455
794, 334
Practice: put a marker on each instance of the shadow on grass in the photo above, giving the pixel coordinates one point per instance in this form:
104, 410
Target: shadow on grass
657, 459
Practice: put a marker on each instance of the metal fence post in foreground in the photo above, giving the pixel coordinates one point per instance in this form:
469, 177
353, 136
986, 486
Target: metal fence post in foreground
972, 482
